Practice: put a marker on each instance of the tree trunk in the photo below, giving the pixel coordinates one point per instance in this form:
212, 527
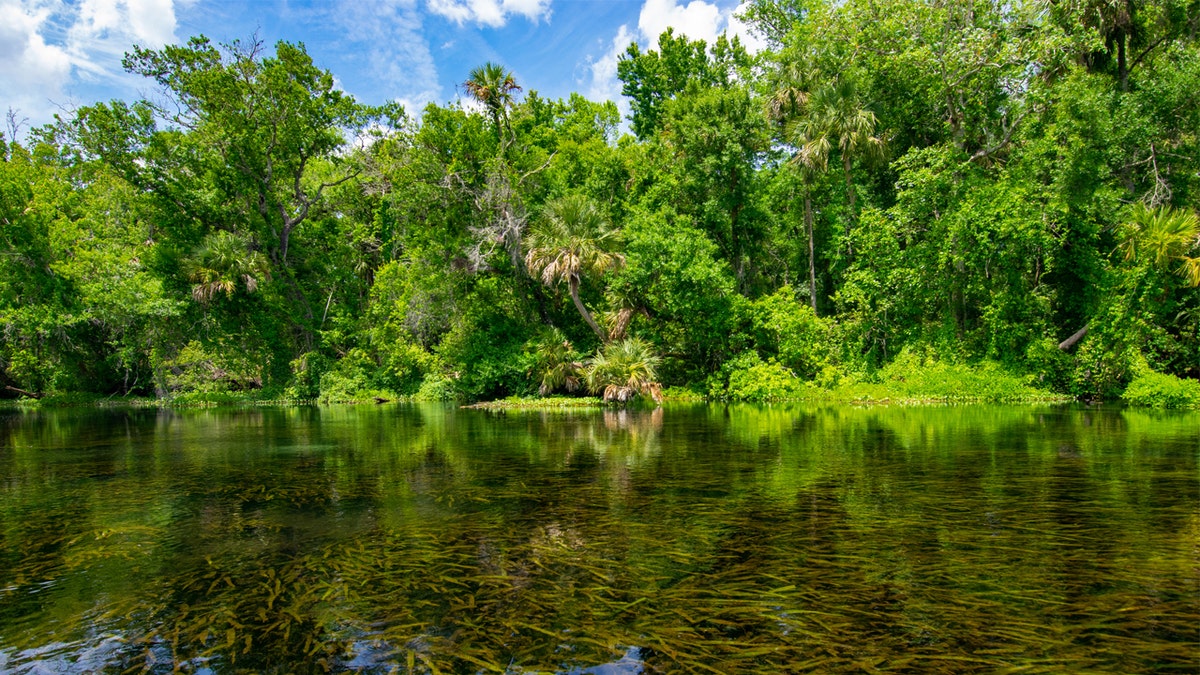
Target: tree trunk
812, 263
1070, 342
1122, 65
849, 201
573, 286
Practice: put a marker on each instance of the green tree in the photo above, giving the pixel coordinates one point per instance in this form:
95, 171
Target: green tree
493, 86
572, 239
836, 116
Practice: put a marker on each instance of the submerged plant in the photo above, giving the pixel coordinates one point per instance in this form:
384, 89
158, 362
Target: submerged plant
625, 370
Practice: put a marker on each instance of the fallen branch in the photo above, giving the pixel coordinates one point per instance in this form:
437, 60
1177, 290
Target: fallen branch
1070, 342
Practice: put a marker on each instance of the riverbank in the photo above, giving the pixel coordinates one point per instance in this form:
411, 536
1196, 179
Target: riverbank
937, 385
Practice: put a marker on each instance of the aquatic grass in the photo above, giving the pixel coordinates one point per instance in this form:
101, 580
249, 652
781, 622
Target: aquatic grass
694, 539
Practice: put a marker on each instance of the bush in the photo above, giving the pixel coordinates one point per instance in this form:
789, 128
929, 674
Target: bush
790, 332
746, 377
914, 375
198, 369
625, 370
307, 372
352, 378
62, 400
436, 388
485, 349
1156, 390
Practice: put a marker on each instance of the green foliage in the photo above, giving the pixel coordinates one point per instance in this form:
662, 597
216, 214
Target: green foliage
791, 333
924, 377
201, 369
672, 271
1156, 390
436, 388
652, 78
557, 364
484, 351
746, 377
225, 239
625, 370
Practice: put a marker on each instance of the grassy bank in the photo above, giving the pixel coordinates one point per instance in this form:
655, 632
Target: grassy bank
904, 382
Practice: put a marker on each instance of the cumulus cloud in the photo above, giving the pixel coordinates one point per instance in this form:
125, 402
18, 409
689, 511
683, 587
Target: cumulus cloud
27, 61
47, 45
698, 20
751, 40
605, 86
103, 30
493, 13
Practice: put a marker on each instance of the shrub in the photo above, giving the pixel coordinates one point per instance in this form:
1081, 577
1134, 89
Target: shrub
922, 376
1156, 390
196, 368
352, 378
625, 370
557, 364
791, 332
436, 388
746, 377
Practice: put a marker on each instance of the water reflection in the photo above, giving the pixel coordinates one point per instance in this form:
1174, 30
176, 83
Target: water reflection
743, 539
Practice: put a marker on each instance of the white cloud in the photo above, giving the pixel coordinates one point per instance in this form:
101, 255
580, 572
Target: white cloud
493, 13
396, 50
103, 30
752, 41
697, 19
471, 105
27, 62
605, 86
46, 46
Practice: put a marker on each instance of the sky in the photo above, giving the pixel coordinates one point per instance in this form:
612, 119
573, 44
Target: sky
57, 55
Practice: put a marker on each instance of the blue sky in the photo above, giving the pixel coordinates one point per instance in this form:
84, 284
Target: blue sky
59, 54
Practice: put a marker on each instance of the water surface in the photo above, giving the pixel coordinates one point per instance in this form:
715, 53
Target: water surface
687, 539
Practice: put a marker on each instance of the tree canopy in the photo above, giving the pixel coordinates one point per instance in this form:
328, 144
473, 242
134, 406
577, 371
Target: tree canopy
1015, 185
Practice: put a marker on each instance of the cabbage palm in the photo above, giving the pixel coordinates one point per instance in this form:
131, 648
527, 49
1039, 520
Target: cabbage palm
493, 86
221, 262
788, 106
624, 370
558, 363
836, 115
1166, 236
571, 239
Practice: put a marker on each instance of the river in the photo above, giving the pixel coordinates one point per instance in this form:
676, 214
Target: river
690, 538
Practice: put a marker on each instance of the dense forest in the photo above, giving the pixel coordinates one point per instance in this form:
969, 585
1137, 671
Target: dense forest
893, 186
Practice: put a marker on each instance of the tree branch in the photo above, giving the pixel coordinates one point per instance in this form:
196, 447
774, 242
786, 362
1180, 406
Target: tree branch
1070, 342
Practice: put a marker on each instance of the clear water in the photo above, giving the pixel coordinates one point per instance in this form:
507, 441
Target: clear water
686, 539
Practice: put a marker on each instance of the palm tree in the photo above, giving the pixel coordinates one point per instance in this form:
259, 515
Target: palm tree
493, 86
569, 240
787, 107
558, 363
221, 261
836, 115
1161, 237
624, 370
1167, 236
